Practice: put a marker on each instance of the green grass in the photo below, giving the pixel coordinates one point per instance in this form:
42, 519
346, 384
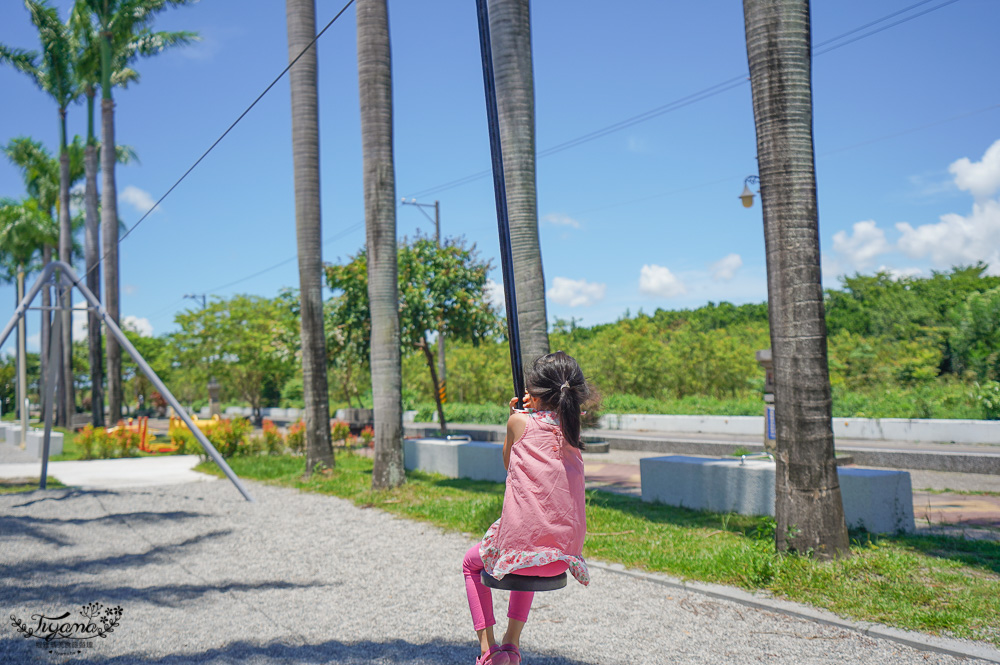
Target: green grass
935, 584
17, 485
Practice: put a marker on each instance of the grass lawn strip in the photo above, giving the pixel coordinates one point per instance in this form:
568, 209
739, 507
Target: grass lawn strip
936, 584
17, 485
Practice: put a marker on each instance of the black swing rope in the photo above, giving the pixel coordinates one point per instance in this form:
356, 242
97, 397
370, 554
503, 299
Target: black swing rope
512, 581
500, 190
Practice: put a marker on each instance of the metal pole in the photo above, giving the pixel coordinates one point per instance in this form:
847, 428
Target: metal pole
51, 378
70, 278
500, 191
22, 364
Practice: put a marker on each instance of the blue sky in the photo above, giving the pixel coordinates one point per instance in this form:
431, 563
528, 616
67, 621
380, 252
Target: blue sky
639, 218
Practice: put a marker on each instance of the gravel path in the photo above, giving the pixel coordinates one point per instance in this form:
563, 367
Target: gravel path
204, 577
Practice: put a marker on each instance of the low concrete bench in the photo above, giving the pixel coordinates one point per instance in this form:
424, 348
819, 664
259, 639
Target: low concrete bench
456, 458
876, 500
36, 439
13, 434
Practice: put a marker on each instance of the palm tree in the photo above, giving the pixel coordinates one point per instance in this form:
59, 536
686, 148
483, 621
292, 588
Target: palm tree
52, 71
301, 18
118, 22
375, 87
42, 175
87, 41
510, 30
808, 508
24, 227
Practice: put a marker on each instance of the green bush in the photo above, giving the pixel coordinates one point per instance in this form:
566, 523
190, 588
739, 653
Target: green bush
988, 396
473, 414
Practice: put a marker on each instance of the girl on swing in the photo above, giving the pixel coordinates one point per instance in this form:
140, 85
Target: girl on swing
543, 523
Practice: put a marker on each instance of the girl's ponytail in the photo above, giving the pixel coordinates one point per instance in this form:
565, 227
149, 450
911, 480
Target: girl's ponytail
569, 414
557, 380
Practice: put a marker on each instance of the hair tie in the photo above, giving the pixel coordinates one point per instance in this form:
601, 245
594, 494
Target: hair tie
564, 386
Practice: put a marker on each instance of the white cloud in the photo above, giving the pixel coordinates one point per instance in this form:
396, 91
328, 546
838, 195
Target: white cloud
138, 324
495, 294
129, 289
956, 238
76, 201
657, 280
576, 293
860, 248
900, 273
80, 320
559, 219
724, 269
982, 178
137, 198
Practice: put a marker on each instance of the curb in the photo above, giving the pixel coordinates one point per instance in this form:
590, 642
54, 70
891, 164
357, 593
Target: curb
919, 641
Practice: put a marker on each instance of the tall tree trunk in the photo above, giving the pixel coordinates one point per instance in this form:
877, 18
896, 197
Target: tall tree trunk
375, 91
67, 402
109, 226
301, 17
808, 508
429, 357
510, 30
91, 243
46, 327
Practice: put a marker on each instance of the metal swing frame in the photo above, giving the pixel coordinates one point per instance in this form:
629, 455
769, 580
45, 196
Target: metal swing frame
510, 582
62, 276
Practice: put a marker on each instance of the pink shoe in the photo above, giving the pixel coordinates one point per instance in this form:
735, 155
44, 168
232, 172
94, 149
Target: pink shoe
513, 653
495, 656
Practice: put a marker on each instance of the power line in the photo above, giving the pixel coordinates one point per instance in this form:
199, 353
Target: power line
885, 27
698, 96
223, 135
349, 230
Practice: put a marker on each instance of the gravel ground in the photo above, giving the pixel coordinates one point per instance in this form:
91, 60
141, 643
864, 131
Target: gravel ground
204, 577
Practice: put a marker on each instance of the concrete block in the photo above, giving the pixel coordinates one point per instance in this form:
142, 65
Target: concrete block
275, 413
36, 439
475, 460
293, 414
13, 434
877, 500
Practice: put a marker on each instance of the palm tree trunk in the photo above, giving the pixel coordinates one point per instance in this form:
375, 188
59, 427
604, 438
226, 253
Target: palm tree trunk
375, 91
510, 30
301, 17
67, 401
808, 508
109, 226
92, 239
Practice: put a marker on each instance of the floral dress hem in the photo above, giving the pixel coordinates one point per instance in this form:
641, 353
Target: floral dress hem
500, 563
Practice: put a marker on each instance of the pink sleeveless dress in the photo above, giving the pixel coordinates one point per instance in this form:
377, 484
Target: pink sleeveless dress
544, 507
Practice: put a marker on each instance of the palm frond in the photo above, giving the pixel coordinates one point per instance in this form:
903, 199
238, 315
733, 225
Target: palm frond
148, 43
58, 52
22, 60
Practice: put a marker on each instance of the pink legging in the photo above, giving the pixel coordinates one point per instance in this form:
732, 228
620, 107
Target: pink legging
481, 600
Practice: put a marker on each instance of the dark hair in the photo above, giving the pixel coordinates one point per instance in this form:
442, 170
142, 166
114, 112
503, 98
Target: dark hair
557, 381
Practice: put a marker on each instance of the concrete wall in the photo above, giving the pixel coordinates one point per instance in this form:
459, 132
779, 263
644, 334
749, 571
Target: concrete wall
872, 429
874, 499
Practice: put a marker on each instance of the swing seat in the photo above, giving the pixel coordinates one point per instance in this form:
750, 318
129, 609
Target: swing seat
514, 582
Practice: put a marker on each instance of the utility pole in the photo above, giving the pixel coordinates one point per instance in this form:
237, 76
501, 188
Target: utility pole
197, 296
437, 239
